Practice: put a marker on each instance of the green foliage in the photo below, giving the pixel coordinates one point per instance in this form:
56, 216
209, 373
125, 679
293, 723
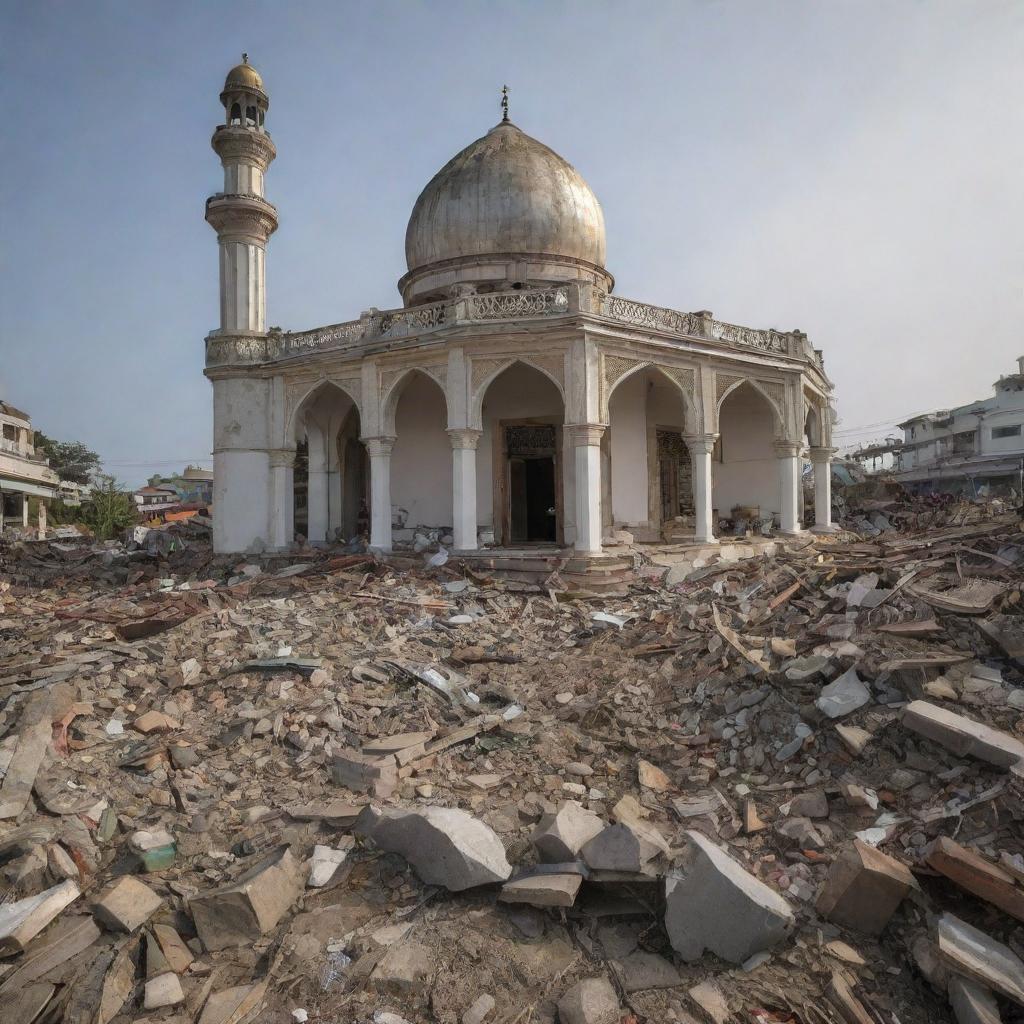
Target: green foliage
71, 460
109, 509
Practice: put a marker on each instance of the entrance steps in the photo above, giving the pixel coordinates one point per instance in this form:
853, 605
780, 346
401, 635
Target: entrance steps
600, 574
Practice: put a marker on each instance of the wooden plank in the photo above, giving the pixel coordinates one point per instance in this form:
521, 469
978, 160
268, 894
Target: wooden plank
977, 875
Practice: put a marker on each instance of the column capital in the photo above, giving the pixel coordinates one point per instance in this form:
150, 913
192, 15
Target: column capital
378, 446
819, 454
464, 437
584, 434
282, 457
787, 449
700, 444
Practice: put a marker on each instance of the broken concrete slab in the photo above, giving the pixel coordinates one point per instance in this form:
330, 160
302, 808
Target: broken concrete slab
977, 955
22, 920
717, 905
850, 1008
710, 998
843, 696
591, 1001
364, 773
242, 911
126, 905
963, 736
405, 968
324, 864
972, 1003
863, 888
619, 847
163, 990
445, 846
233, 1005
641, 971
559, 837
542, 890
479, 1010
854, 738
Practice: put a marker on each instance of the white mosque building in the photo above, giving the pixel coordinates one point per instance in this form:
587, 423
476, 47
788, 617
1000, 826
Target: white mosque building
513, 399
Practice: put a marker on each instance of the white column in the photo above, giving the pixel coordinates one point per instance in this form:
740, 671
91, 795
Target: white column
788, 453
822, 460
316, 487
334, 491
464, 444
586, 439
24, 511
282, 508
380, 490
701, 447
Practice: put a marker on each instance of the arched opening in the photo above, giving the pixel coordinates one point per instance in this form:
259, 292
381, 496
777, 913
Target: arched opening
250, 117
649, 486
421, 460
235, 114
331, 468
745, 467
521, 474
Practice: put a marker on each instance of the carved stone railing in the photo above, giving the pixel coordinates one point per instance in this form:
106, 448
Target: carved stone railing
399, 323
656, 318
766, 341
493, 307
518, 304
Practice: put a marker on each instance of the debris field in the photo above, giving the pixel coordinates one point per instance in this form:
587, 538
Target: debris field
345, 789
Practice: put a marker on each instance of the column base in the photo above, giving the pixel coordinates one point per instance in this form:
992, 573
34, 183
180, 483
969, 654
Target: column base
831, 528
707, 540
798, 532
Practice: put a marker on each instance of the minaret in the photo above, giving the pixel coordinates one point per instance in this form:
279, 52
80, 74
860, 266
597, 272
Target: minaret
251, 486
242, 218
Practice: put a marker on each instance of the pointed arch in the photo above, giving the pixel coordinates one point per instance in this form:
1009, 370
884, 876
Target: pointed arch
679, 378
733, 383
301, 395
486, 371
394, 383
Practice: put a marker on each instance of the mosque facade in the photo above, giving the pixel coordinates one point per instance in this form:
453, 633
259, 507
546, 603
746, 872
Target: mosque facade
513, 400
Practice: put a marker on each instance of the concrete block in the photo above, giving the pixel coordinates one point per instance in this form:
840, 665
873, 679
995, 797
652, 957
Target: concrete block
559, 837
717, 905
126, 905
444, 845
963, 736
592, 1001
542, 890
863, 889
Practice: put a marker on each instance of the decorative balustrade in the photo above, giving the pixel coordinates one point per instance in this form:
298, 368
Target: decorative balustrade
766, 341
514, 305
493, 307
655, 317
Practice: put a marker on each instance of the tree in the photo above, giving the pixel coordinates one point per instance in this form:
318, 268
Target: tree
70, 460
109, 510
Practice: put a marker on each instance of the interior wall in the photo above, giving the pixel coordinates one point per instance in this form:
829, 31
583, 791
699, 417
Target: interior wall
627, 427
421, 460
749, 472
520, 393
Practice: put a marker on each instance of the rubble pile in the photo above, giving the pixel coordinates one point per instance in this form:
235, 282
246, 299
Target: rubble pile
332, 788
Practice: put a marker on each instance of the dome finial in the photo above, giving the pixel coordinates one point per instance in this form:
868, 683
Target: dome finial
504, 103
245, 58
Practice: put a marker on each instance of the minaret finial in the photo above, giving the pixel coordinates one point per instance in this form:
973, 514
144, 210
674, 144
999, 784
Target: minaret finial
245, 58
504, 103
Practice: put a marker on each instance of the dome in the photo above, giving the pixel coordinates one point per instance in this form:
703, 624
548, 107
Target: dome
505, 212
243, 75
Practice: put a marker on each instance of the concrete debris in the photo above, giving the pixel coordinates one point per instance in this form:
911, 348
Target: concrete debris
194, 741
242, 911
561, 836
126, 905
963, 736
980, 957
717, 905
446, 846
591, 1001
863, 889
972, 1003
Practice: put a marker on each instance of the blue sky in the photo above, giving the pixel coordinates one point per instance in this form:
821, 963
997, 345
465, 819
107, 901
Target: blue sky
850, 169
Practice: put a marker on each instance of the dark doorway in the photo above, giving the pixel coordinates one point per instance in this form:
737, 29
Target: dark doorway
674, 475
532, 489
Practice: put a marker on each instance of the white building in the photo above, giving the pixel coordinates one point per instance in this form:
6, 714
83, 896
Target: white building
969, 447
23, 473
513, 398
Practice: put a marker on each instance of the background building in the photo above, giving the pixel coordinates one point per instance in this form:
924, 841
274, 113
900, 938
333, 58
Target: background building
23, 473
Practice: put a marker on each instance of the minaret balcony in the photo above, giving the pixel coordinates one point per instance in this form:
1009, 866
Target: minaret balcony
244, 214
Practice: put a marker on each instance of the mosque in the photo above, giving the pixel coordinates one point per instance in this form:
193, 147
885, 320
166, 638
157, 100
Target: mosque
513, 400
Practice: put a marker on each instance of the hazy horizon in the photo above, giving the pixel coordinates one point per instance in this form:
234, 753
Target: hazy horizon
849, 170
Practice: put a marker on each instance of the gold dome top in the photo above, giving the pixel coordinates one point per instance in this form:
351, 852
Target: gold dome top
244, 75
